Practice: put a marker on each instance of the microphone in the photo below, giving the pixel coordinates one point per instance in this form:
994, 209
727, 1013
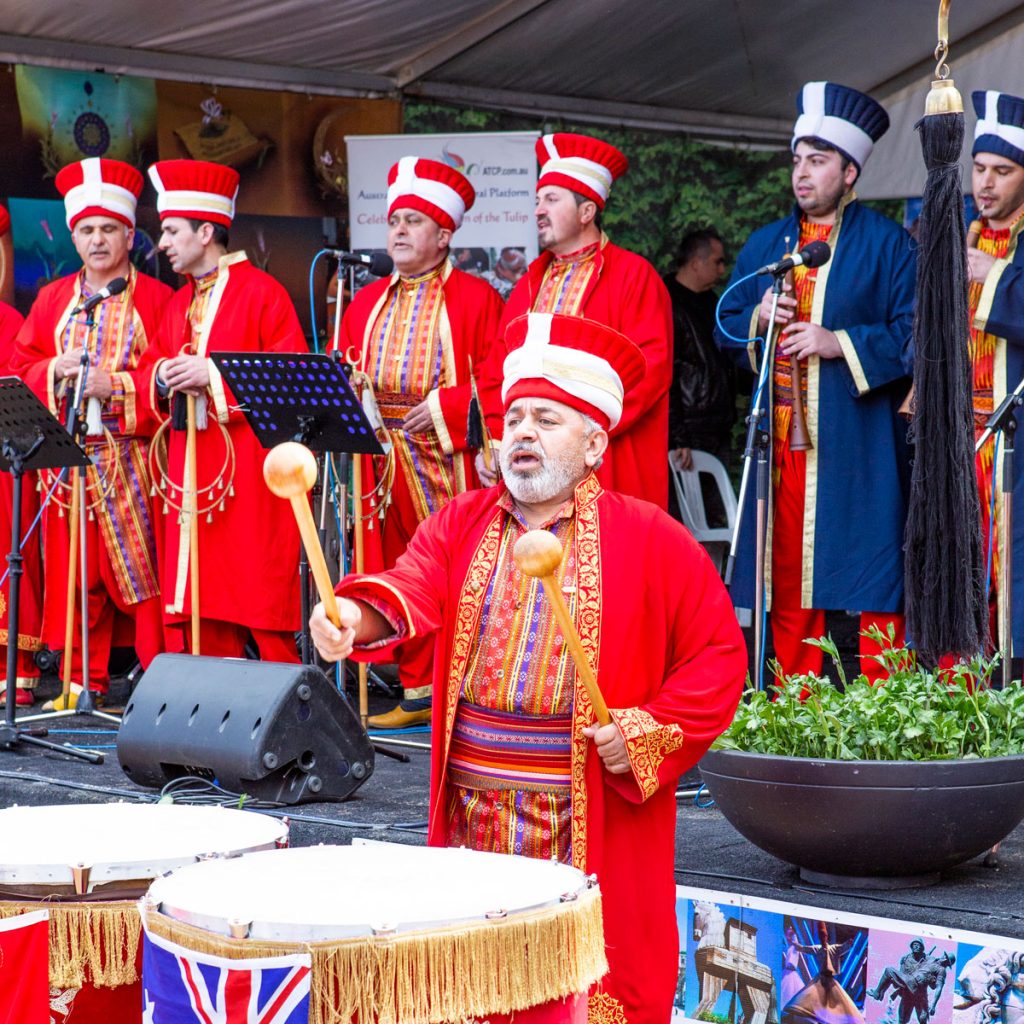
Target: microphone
380, 264
115, 287
814, 254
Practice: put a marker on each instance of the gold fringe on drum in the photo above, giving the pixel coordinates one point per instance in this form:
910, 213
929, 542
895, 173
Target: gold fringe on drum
430, 977
90, 943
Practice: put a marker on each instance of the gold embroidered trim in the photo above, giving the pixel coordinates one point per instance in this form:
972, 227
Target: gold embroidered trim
588, 624
648, 743
437, 418
813, 412
988, 293
605, 1009
25, 643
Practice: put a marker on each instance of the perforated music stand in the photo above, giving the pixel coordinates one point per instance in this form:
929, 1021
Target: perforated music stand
305, 398
30, 438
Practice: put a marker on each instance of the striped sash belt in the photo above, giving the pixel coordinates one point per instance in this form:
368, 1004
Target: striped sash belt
504, 750
393, 407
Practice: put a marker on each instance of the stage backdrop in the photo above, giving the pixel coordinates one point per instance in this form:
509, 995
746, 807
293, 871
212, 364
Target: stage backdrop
498, 236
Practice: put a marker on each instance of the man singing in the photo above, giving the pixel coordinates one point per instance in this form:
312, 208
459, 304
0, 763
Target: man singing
835, 537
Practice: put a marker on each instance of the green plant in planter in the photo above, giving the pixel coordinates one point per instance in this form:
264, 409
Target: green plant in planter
914, 715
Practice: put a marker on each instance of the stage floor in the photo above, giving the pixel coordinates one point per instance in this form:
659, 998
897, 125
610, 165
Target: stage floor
392, 806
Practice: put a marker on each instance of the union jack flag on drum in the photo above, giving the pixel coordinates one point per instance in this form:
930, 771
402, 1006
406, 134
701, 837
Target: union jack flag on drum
183, 987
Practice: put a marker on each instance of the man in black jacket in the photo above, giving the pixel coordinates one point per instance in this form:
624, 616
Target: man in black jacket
702, 400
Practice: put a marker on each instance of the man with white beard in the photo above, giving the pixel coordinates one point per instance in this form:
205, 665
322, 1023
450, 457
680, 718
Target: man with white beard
519, 765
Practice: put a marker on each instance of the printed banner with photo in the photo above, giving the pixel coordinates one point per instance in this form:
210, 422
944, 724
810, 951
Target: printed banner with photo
498, 236
744, 960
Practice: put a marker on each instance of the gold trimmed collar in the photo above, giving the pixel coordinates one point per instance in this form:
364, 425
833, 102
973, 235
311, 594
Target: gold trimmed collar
584, 255
417, 279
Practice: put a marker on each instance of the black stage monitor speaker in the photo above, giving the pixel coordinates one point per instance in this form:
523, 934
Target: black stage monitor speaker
275, 732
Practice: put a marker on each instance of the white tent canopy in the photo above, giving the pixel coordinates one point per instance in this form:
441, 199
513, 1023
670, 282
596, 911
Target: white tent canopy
726, 70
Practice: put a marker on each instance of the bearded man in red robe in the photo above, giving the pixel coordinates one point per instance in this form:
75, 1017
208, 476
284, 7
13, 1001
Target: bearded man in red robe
519, 764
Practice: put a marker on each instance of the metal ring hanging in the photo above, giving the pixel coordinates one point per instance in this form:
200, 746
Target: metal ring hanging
97, 493
166, 489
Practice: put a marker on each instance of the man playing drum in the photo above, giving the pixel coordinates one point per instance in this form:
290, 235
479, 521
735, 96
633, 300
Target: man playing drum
519, 764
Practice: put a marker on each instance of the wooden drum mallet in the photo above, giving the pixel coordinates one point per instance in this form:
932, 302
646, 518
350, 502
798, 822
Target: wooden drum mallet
290, 471
539, 553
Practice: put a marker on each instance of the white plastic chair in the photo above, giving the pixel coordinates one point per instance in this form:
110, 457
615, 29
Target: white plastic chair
691, 497
716, 540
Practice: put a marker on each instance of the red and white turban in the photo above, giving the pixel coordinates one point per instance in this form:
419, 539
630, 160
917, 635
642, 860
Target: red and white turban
5, 221
581, 363
195, 189
98, 187
441, 192
581, 163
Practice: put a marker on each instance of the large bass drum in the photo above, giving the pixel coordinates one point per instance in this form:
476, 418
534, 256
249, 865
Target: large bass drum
396, 933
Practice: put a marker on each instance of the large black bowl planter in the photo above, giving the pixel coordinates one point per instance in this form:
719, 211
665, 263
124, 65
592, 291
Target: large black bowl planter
870, 824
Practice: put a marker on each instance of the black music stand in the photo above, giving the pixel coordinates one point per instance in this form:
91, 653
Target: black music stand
30, 438
306, 398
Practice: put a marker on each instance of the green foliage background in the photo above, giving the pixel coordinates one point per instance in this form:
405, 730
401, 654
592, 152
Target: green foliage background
673, 184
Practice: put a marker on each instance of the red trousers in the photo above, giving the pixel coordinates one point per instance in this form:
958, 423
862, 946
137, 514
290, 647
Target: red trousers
219, 639
111, 619
792, 624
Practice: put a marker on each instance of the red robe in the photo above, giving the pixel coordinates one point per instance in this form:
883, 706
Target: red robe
248, 553
30, 593
627, 294
473, 310
40, 342
657, 622
468, 325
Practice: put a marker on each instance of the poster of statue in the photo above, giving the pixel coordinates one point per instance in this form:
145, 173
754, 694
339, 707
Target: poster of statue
989, 986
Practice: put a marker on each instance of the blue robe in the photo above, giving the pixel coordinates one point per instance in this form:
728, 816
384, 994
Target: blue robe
858, 472
1001, 312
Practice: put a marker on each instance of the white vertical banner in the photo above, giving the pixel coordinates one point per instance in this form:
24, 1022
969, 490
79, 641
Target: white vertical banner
498, 236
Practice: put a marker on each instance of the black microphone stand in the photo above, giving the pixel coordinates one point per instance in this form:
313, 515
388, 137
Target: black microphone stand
1004, 420
758, 445
76, 427
33, 443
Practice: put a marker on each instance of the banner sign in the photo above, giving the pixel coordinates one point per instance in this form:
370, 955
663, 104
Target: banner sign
758, 961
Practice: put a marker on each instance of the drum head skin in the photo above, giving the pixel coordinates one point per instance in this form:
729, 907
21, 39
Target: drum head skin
333, 892
119, 844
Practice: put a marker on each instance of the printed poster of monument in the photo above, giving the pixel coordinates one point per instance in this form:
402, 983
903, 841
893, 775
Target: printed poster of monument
989, 987
753, 961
